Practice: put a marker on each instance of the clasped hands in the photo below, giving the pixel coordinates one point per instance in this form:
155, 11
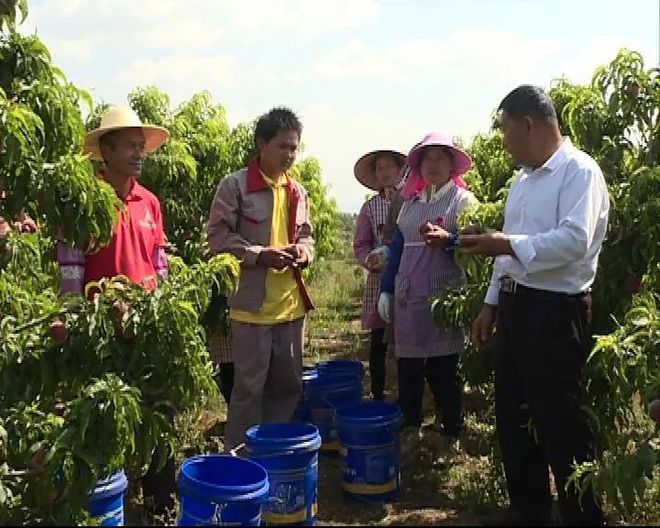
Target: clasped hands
293, 255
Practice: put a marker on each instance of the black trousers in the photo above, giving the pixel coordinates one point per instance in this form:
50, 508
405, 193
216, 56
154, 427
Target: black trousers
160, 486
541, 345
377, 357
446, 386
225, 380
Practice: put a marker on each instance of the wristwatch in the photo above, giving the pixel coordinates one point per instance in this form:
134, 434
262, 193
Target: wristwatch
452, 244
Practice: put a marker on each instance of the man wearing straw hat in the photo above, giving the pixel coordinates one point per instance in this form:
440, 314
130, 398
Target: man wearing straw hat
137, 248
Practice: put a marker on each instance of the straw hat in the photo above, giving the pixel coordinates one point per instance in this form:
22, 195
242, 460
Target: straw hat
365, 171
116, 118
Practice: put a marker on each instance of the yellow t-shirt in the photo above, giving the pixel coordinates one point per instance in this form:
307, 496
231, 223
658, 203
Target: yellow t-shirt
283, 302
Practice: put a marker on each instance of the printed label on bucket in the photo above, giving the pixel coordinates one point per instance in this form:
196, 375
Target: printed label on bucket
215, 514
292, 498
372, 470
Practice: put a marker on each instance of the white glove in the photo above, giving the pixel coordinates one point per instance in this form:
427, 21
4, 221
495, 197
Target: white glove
377, 258
384, 306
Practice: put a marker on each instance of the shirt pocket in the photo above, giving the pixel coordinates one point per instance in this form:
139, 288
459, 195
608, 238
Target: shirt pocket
255, 223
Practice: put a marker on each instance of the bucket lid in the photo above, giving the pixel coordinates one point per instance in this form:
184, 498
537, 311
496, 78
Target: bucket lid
368, 414
223, 477
334, 381
282, 438
113, 485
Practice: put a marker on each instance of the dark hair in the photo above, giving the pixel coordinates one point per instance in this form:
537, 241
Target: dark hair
385, 154
275, 121
109, 139
532, 101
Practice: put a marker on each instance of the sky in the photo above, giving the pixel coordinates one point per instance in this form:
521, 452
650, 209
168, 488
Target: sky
361, 74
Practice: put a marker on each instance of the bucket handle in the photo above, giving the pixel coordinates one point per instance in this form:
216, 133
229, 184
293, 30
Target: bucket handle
330, 404
239, 447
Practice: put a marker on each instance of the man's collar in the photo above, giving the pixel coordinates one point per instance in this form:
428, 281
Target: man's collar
559, 155
255, 180
133, 191
557, 158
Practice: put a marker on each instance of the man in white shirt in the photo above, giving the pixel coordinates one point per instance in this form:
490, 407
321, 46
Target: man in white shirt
554, 225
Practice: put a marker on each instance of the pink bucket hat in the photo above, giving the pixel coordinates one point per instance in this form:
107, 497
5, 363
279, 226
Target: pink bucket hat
461, 163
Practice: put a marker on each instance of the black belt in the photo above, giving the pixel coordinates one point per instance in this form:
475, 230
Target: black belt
508, 285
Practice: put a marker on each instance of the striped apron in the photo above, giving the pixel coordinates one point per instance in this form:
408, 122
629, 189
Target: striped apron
423, 272
378, 207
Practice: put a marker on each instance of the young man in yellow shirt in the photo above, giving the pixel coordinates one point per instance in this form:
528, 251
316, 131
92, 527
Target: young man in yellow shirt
261, 216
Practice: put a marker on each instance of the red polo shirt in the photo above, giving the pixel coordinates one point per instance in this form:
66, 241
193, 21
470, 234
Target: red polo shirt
134, 240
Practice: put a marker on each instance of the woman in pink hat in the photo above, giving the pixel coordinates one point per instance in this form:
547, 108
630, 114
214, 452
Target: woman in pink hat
380, 171
419, 266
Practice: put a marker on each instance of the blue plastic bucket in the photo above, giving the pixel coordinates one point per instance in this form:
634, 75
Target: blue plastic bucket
289, 453
106, 502
340, 366
370, 450
220, 490
302, 412
326, 394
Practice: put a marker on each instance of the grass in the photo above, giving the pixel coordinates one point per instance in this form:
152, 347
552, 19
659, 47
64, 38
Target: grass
333, 328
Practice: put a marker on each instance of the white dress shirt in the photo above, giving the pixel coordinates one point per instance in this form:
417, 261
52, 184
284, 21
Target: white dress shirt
556, 219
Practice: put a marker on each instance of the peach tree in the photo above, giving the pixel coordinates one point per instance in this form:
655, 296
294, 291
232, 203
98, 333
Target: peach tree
91, 395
